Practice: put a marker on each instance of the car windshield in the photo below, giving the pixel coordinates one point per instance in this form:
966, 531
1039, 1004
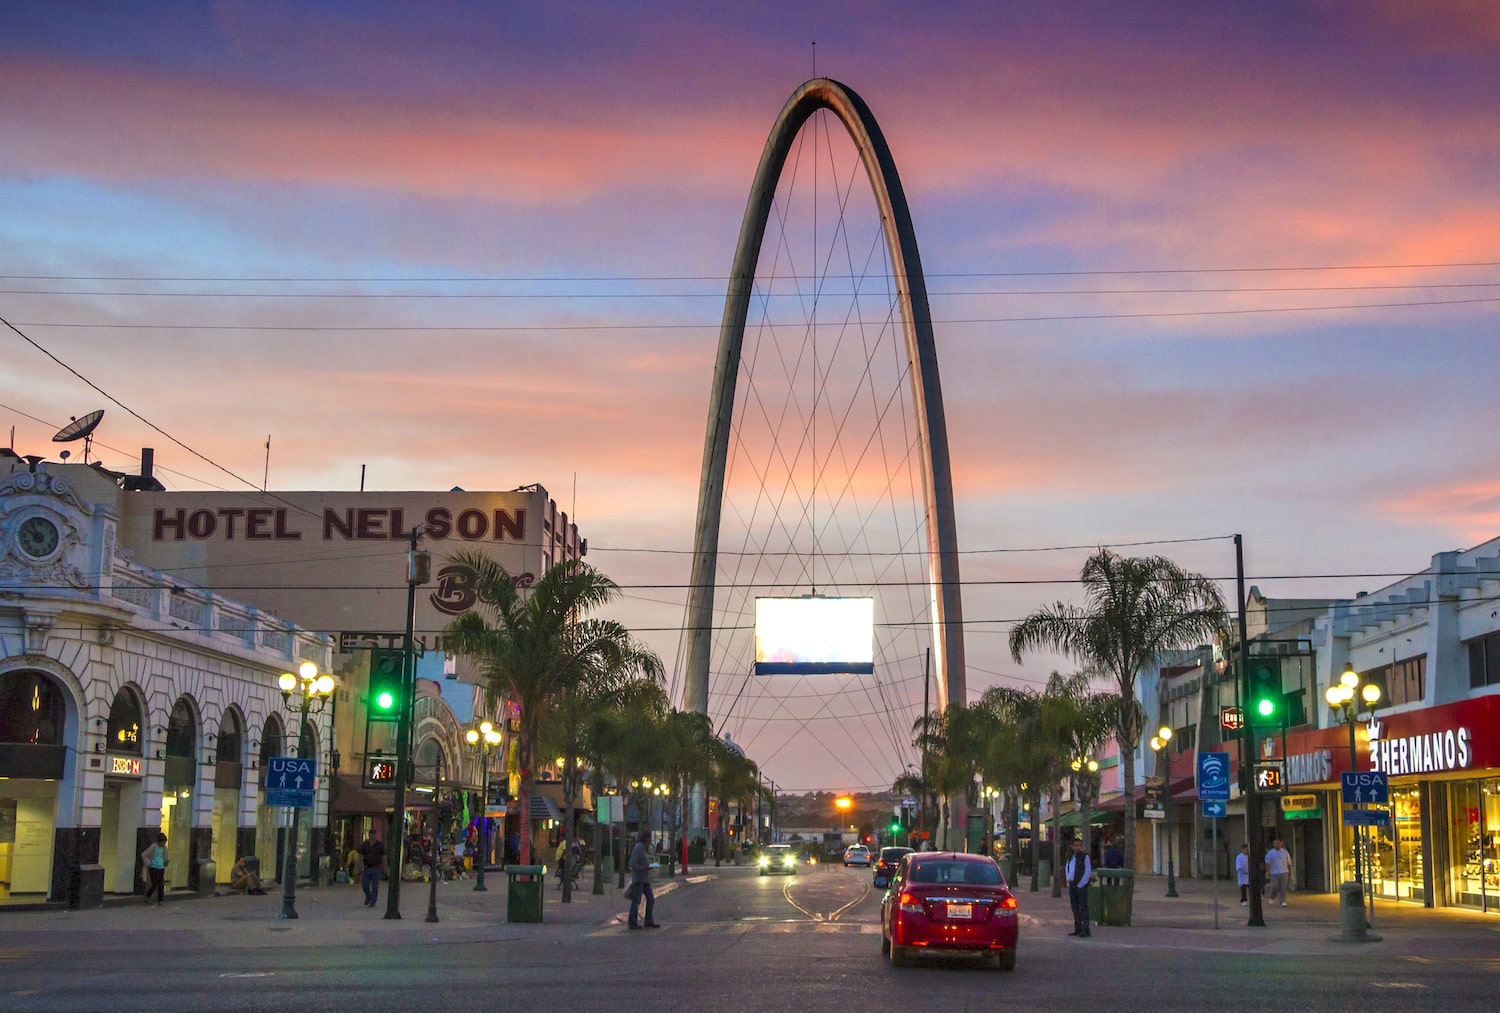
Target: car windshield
779, 849
952, 871
893, 854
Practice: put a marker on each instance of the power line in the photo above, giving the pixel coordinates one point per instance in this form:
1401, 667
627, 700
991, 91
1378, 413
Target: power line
713, 326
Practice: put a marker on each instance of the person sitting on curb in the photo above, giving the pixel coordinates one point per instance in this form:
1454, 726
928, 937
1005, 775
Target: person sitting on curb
242, 880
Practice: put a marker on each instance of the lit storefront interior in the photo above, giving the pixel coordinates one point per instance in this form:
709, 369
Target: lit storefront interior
33, 716
120, 810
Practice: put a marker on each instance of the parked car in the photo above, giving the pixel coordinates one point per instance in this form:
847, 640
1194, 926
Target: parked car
856, 854
885, 865
949, 904
778, 858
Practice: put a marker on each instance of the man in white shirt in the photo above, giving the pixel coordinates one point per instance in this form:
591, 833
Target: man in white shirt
1080, 872
1278, 870
1242, 873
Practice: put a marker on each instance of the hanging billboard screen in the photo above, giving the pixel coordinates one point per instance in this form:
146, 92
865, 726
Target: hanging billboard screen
814, 636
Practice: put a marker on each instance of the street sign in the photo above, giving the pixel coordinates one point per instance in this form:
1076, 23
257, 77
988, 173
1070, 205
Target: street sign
1292, 803
1367, 817
291, 781
1215, 810
1366, 787
1231, 719
1154, 811
1303, 814
1213, 777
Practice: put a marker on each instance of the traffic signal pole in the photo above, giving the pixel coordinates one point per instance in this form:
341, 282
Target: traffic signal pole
418, 566
1247, 750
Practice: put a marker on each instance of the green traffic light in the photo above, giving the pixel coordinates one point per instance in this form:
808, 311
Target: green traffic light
1266, 707
385, 701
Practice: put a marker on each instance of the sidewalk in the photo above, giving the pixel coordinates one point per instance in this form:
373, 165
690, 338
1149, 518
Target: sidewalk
1309, 924
326, 916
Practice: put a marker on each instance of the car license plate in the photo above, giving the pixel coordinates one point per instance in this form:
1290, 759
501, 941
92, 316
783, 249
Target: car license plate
960, 910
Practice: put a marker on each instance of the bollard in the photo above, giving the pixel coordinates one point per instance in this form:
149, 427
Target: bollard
1352, 927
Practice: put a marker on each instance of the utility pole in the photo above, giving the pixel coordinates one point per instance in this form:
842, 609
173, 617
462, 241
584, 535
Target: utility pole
1247, 749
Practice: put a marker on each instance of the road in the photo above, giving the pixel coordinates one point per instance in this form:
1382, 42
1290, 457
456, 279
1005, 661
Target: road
731, 940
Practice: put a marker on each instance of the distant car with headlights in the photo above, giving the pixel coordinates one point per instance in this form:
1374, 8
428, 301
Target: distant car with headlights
948, 904
885, 865
778, 858
856, 854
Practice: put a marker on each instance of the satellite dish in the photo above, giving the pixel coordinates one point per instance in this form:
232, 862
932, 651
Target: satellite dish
80, 429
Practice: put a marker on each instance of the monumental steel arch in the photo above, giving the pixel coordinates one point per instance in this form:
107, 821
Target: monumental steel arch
916, 324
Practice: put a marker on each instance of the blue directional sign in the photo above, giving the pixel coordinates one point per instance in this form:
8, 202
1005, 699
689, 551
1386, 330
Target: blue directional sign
1367, 817
291, 781
1366, 787
1214, 810
1213, 777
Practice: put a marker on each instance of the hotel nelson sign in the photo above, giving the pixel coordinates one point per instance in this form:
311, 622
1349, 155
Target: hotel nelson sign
333, 561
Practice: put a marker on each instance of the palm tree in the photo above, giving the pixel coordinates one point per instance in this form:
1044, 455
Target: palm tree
537, 647
625, 742
1137, 608
1079, 718
687, 747
611, 733
953, 742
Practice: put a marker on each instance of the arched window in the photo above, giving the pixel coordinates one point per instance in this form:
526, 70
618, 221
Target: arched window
231, 739
307, 743
124, 732
182, 730
428, 758
270, 740
32, 709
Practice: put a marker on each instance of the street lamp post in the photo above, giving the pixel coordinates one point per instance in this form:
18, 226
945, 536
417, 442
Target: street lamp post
311, 689
1162, 743
485, 738
437, 837
1347, 701
1086, 789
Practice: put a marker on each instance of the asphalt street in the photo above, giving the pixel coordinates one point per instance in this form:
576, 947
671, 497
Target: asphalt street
732, 940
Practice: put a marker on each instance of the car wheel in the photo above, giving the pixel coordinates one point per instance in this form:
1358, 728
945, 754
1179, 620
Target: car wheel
898, 956
885, 945
1005, 960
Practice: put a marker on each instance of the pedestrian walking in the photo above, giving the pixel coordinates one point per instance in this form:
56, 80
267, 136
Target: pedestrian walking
1278, 870
1242, 873
372, 853
1080, 872
155, 860
640, 882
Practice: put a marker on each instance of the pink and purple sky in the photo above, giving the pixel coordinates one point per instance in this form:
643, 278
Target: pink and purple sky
1241, 265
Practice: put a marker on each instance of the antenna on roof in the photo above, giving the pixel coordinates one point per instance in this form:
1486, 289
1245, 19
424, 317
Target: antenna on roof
80, 429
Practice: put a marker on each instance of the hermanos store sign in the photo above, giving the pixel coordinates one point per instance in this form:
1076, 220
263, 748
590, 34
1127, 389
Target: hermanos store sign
1436, 740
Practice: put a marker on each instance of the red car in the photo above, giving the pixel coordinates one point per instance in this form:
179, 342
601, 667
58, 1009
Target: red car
949, 904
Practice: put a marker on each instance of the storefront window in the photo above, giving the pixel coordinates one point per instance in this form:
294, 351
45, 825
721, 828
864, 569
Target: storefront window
1474, 840
1397, 855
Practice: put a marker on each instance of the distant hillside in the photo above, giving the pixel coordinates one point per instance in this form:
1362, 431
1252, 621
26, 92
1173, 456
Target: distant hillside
816, 809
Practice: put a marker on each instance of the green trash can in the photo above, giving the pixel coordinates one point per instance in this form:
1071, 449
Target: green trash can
1114, 895
523, 900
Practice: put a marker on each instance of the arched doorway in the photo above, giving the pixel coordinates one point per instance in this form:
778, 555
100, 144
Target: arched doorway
271, 736
179, 782
229, 744
120, 813
33, 761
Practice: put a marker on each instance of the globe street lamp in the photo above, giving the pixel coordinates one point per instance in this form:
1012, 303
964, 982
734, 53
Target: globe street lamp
312, 692
1348, 700
486, 739
1162, 743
